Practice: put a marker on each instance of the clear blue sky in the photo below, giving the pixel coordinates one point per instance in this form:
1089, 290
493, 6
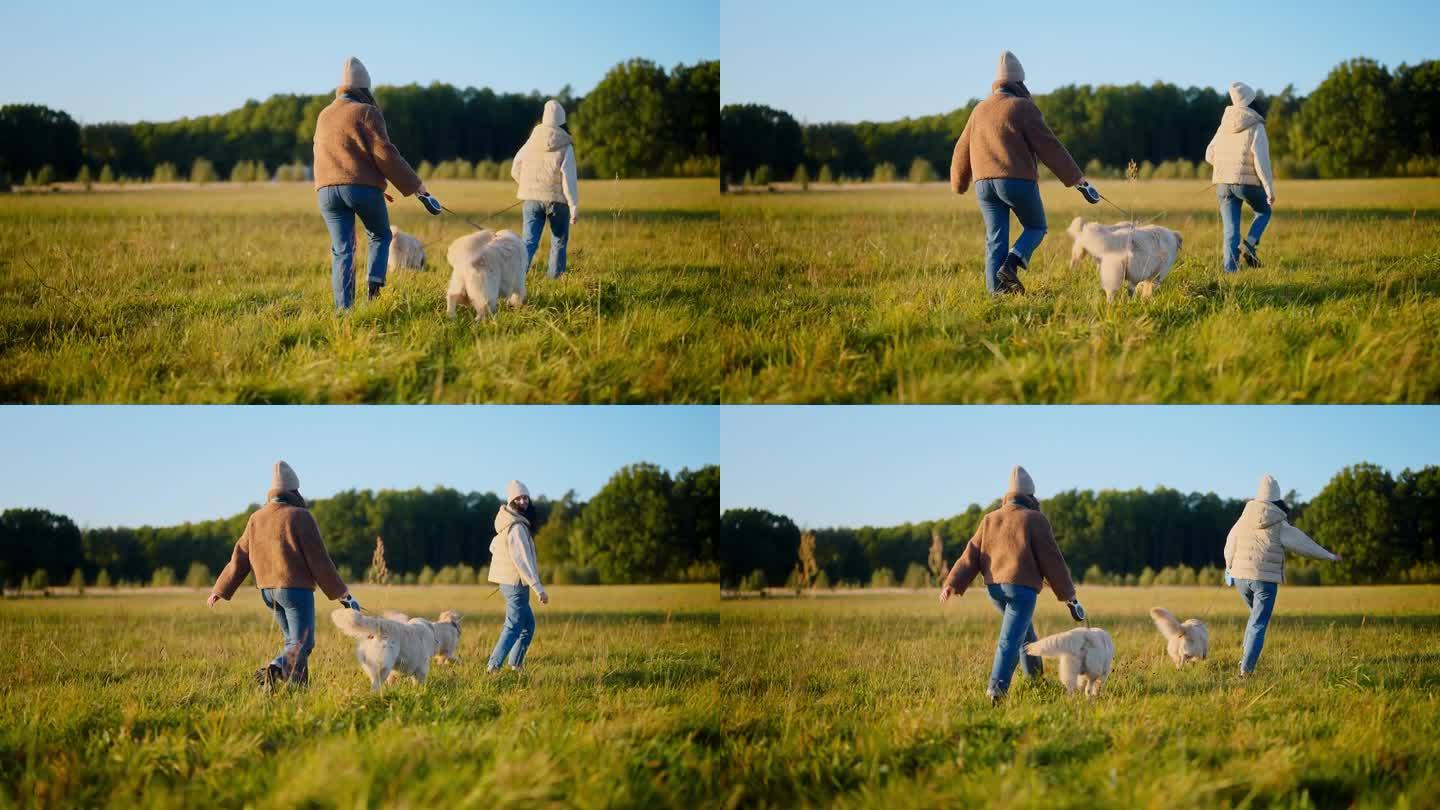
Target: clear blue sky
125, 61
882, 466
115, 465
848, 60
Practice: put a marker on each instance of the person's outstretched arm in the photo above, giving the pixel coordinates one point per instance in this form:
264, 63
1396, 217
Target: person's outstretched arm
322, 568
572, 183
1051, 561
1260, 150
1048, 148
1300, 543
963, 572
960, 171
385, 154
522, 552
235, 571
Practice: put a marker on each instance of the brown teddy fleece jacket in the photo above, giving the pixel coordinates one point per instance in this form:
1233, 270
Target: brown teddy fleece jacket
282, 545
1013, 546
352, 146
1005, 134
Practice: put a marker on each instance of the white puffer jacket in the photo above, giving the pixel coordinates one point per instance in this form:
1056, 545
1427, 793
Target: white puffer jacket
1240, 151
512, 552
1257, 544
545, 166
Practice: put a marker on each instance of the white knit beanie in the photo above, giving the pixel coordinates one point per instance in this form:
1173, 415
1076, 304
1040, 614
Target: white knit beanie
1269, 489
283, 478
515, 489
354, 74
1241, 94
1020, 482
1010, 69
554, 114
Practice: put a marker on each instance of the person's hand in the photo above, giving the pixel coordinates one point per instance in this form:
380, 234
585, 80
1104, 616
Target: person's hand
544, 598
574, 215
1089, 192
214, 597
1270, 199
1076, 612
1337, 556
423, 191
350, 602
945, 594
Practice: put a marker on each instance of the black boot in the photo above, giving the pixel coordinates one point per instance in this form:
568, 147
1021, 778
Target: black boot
268, 676
375, 288
1250, 253
1007, 280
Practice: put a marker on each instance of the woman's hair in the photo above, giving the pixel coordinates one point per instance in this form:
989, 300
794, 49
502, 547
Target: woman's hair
1013, 88
291, 497
361, 94
1027, 501
1284, 507
528, 513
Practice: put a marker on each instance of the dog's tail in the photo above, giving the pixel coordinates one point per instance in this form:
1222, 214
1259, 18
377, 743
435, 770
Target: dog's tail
1067, 643
1166, 623
356, 624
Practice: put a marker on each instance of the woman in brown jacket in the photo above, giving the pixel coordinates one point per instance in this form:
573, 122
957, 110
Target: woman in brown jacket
282, 546
1004, 135
1016, 552
353, 159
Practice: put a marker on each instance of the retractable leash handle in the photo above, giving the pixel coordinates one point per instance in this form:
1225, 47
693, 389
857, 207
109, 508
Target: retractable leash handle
1089, 192
1076, 611
431, 204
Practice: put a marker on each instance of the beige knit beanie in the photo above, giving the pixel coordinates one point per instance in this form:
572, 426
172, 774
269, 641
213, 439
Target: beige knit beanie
1010, 69
515, 489
1241, 94
1269, 489
283, 478
354, 74
1020, 482
554, 114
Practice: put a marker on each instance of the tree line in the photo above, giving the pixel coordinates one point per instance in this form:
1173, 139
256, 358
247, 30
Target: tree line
1363, 120
1386, 527
644, 525
639, 121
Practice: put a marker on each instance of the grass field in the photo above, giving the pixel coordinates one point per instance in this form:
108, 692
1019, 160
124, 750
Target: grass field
146, 701
879, 701
222, 294
877, 295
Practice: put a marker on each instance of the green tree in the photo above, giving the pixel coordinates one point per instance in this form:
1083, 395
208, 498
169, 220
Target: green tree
45, 176
198, 576
802, 177
164, 173
629, 530
922, 171
83, 178
753, 539
107, 175
623, 127
1347, 126
1354, 517
202, 171
825, 177
102, 579
77, 581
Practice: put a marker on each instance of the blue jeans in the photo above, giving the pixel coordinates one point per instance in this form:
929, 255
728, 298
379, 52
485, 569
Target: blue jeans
533, 217
1260, 598
339, 205
997, 199
294, 610
1230, 196
519, 629
1017, 604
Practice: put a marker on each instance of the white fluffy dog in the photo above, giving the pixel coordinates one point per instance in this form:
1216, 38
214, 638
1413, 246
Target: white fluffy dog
1185, 642
1084, 654
405, 251
398, 644
1137, 255
487, 266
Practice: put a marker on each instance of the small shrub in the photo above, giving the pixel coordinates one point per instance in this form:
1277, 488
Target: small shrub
922, 171
884, 173
753, 582
487, 170
425, 170
802, 177
83, 178
198, 576
1147, 577
762, 176
102, 579
822, 582
46, 175
916, 577
163, 577
882, 577
202, 171
426, 576
164, 173
825, 177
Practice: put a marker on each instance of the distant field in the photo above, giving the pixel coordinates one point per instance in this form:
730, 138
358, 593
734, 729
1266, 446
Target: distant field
145, 701
878, 701
876, 295
222, 294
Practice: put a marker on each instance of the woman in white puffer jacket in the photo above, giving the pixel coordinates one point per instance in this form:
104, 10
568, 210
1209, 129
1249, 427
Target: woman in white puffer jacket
1240, 153
1255, 561
513, 568
546, 171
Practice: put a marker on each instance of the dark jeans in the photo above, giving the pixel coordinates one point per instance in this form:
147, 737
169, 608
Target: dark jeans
997, 198
294, 610
1230, 196
339, 205
533, 218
